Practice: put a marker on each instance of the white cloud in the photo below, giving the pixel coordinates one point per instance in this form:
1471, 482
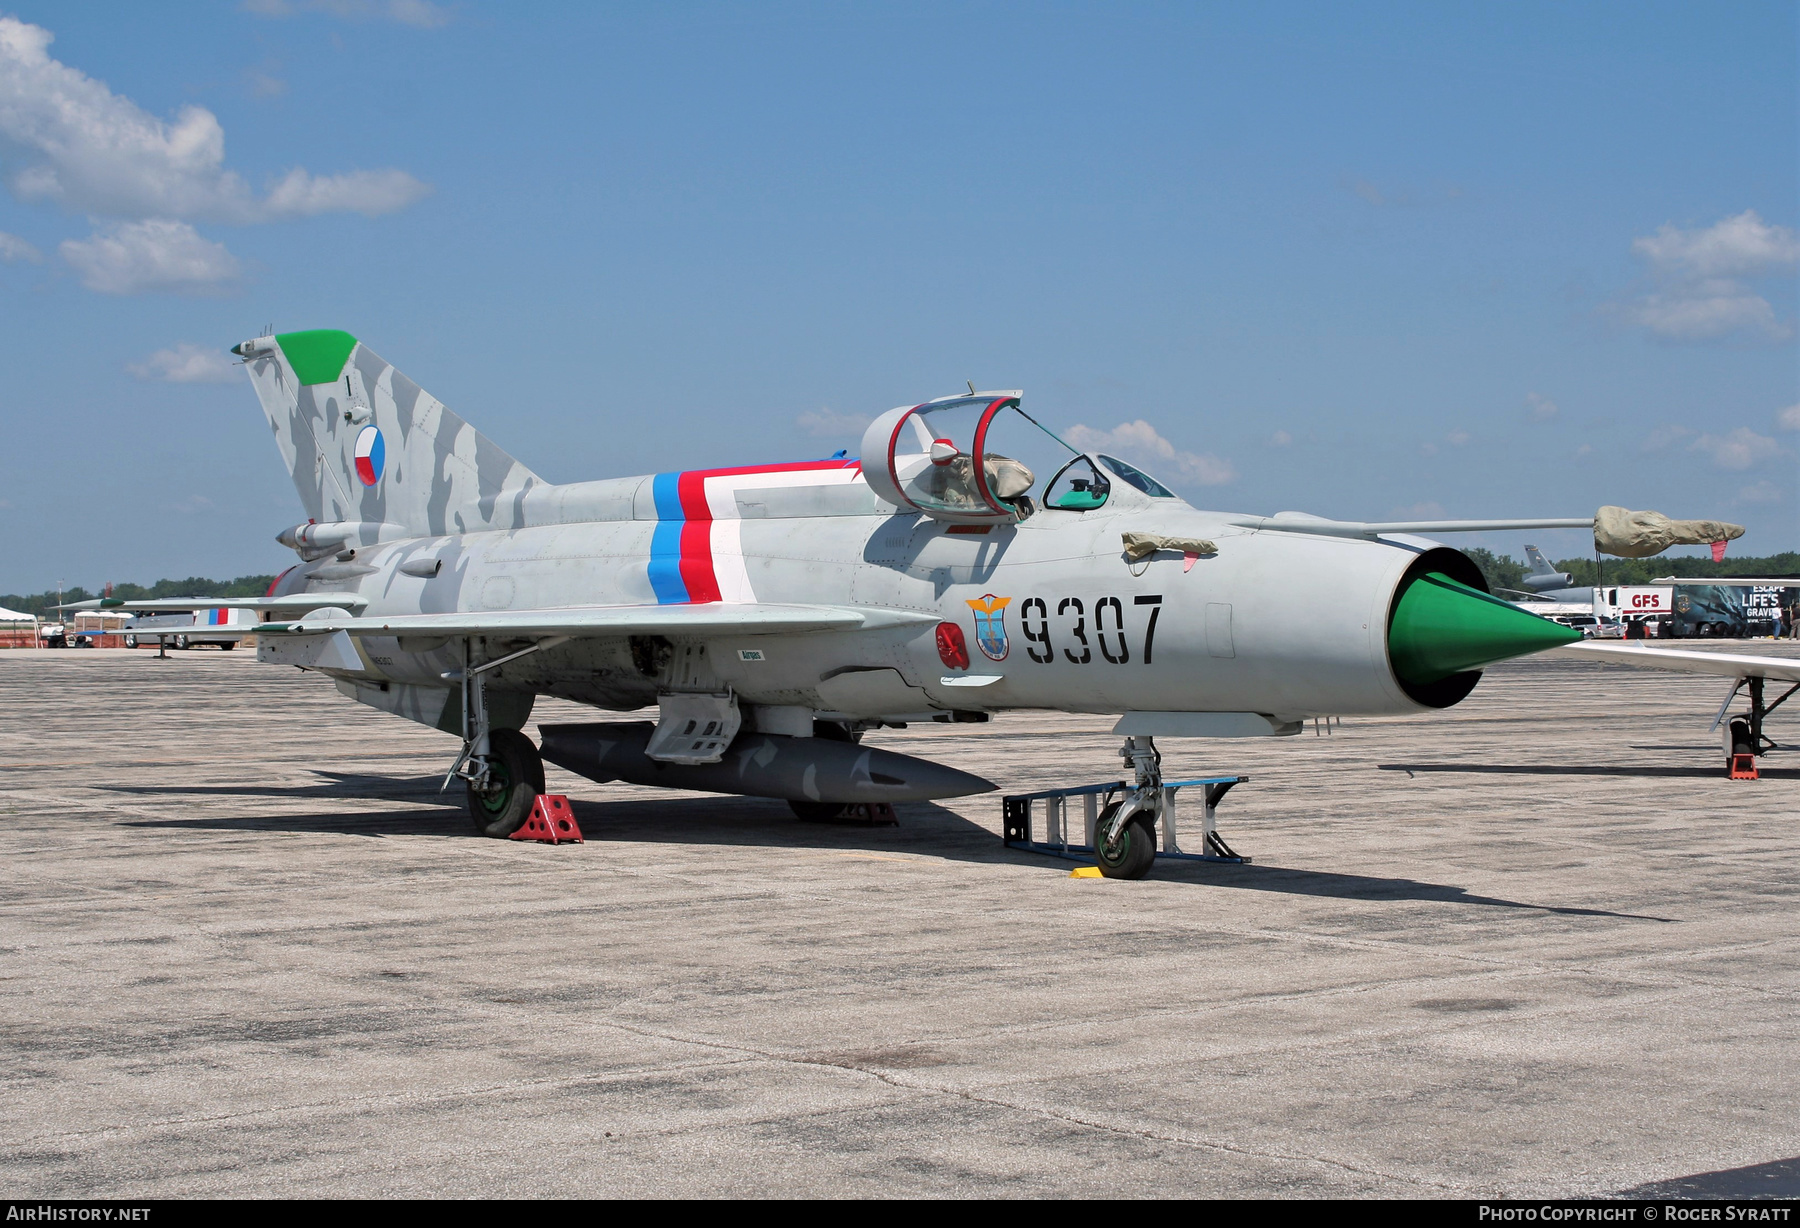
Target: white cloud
1457, 438
419, 13
826, 423
1428, 449
1541, 408
370, 193
1743, 448
135, 257
1708, 310
1741, 246
1140, 440
13, 249
1586, 449
96, 152
1700, 292
186, 363
1419, 511
1762, 492
1789, 418
1280, 439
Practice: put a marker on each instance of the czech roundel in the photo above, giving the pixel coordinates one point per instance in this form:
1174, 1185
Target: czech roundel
371, 455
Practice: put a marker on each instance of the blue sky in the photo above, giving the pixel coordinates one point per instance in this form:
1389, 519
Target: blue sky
1364, 261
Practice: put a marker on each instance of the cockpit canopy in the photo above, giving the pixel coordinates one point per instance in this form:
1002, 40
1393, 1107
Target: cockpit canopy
934, 458
938, 458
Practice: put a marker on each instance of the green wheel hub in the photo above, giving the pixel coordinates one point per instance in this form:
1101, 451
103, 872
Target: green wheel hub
498, 793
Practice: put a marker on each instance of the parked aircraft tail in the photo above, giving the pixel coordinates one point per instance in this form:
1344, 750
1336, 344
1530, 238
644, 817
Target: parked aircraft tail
364, 443
1542, 575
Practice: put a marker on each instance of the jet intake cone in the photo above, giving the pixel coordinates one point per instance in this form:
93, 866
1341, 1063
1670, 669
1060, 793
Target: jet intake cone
1440, 628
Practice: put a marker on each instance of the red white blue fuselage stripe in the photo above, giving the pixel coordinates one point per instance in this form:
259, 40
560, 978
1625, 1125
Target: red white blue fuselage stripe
695, 555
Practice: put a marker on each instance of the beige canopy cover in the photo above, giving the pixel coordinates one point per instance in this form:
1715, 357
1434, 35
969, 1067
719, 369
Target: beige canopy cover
1638, 535
1142, 545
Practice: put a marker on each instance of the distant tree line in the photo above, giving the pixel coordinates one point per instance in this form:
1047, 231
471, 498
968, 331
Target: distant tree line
44, 604
1504, 571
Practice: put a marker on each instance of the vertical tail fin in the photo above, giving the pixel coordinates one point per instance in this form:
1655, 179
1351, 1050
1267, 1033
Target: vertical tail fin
1543, 577
365, 443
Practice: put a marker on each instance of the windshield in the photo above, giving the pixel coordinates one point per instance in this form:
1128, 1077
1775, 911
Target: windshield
1138, 478
1077, 487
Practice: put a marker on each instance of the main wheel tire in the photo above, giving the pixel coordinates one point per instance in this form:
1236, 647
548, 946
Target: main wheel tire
817, 812
131, 641
516, 778
181, 642
227, 645
1135, 852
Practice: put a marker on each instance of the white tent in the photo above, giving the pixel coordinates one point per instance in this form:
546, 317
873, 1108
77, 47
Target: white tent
13, 616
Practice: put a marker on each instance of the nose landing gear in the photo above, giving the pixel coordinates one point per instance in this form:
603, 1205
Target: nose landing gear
1130, 848
1121, 819
1125, 837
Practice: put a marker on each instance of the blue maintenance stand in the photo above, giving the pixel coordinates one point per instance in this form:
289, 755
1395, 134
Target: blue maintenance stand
1017, 821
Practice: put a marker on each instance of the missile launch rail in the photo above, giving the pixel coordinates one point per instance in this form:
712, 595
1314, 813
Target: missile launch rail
1017, 819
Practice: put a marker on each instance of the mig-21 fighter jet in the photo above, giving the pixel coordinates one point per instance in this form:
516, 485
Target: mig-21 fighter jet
774, 612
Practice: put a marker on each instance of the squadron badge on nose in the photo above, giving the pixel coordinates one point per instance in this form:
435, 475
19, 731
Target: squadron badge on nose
990, 625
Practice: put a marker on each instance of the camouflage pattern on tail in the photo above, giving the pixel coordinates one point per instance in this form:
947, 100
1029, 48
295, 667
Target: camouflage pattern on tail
365, 443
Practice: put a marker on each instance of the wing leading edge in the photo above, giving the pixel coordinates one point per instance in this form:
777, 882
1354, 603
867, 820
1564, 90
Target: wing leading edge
711, 618
295, 604
1719, 664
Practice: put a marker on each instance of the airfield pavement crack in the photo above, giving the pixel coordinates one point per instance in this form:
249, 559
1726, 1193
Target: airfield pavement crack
1183, 1140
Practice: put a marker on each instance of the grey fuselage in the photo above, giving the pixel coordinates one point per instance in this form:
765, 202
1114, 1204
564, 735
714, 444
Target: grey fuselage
1052, 614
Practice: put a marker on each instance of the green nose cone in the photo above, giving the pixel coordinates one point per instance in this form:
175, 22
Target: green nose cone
1440, 628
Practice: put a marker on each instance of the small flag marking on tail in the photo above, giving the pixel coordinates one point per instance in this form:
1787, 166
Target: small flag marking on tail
371, 455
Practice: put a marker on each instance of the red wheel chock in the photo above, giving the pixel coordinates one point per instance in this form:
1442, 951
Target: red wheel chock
1743, 767
550, 822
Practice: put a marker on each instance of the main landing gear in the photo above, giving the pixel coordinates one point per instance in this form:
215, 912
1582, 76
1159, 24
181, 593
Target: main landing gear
500, 799
1744, 738
501, 770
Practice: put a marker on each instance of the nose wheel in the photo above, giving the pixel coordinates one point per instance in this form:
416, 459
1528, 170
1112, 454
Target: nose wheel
1125, 835
1132, 849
